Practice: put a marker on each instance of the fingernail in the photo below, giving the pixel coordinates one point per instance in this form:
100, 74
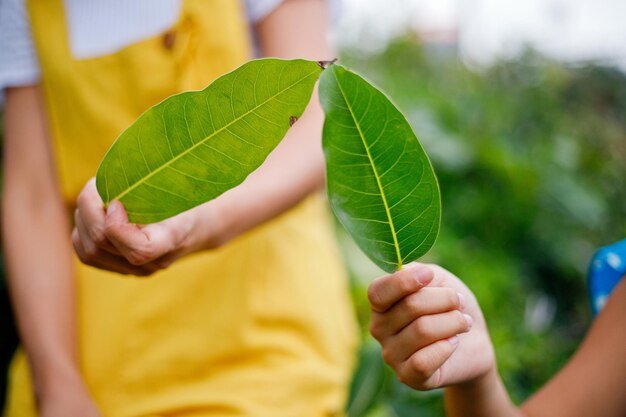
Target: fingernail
112, 208
461, 300
469, 320
423, 275
454, 340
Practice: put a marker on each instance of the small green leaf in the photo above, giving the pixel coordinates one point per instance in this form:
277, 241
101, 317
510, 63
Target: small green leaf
192, 147
380, 182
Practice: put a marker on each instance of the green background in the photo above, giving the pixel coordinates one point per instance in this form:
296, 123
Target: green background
530, 159
530, 156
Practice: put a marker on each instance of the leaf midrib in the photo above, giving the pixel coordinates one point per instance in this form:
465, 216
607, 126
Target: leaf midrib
373, 165
199, 143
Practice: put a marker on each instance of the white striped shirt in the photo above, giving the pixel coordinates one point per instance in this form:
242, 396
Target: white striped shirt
95, 28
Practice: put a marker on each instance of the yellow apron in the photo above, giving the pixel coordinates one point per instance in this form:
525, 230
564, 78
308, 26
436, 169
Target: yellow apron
260, 327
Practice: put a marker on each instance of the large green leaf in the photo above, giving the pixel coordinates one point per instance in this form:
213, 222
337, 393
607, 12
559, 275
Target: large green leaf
381, 184
194, 146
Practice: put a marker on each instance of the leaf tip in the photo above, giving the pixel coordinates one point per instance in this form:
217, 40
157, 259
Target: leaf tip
326, 64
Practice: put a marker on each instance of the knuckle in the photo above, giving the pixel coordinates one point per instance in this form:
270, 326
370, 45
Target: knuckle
373, 295
404, 378
87, 254
139, 256
97, 236
413, 306
433, 382
375, 328
387, 355
90, 251
406, 285
421, 327
452, 297
110, 228
420, 366
459, 319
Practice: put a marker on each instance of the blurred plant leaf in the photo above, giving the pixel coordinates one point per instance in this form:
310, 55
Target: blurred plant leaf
192, 147
368, 382
380, 182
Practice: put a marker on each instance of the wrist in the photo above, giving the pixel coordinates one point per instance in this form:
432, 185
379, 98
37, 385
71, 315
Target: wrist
481, 384
483, 396
211, 225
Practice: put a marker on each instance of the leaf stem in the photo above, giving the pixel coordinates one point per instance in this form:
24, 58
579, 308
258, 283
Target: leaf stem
326, 64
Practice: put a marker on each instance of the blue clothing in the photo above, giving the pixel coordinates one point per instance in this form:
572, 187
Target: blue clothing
607, 267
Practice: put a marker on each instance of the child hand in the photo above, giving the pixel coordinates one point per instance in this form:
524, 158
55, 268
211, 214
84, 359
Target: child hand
104, 238
430, 326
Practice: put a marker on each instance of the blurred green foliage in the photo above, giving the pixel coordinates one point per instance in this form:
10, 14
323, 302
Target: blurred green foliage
530, 158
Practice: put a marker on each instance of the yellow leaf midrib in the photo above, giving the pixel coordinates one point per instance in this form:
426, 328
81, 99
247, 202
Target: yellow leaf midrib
378, 182
145, 178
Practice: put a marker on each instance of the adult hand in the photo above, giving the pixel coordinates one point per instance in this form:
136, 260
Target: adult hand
430, 327
105, 239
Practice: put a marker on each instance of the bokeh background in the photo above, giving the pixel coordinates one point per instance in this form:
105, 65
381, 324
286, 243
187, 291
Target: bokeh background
522, 108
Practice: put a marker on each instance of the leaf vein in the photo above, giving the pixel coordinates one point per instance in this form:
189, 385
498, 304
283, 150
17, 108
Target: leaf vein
380, 187
186, 174
422, 242
214, 133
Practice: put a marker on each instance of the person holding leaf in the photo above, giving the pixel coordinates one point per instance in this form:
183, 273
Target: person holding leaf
433, 335
229, 323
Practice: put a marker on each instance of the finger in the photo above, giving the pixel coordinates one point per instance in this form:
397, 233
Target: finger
91, 255
168, 259
129, 239
387, 290
90, 212
441, 276
99, 240
427, 301
422, 370
424, 331
164, 248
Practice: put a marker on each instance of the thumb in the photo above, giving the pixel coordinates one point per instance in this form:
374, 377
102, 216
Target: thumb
128, 238
116, 213
389, 289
